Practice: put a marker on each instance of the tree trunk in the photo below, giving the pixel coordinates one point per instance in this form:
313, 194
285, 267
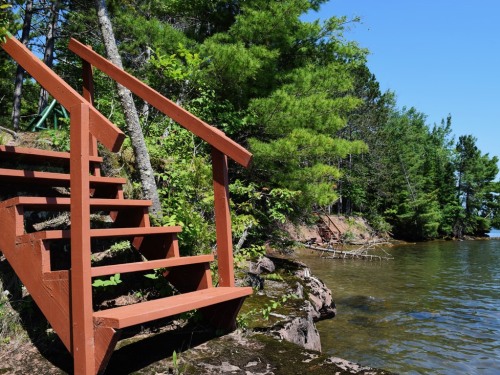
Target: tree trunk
143, 163
48, 56
18, 86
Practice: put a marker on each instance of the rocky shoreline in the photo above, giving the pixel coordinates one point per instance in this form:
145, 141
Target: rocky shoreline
289, 301
277, 335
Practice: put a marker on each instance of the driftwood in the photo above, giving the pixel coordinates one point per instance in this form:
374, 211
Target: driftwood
243, 238
360, 253
11, 132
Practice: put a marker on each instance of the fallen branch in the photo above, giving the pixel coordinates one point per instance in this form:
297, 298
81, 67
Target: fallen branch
11, 132
243, 237
342, 254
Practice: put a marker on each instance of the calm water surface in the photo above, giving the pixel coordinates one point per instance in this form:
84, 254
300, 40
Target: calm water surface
434, 309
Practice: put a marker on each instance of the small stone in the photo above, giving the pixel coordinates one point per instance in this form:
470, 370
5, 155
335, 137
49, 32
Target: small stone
226, 367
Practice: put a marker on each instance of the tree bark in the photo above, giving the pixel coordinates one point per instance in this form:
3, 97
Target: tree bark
18, 85
48, 56
143, 163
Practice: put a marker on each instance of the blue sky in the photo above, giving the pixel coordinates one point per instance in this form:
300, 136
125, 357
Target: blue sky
440, 56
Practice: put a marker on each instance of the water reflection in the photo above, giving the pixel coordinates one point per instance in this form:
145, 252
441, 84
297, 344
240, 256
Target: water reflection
434, 309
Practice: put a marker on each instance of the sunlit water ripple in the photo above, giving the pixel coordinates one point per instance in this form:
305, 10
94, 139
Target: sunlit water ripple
434, 309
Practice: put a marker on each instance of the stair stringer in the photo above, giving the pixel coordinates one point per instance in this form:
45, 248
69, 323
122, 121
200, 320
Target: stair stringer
105, 339
31, 261
49, 290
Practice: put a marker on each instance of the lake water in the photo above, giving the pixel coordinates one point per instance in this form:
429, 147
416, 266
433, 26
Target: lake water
434, 309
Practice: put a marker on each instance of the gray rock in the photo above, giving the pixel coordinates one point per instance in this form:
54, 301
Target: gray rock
299, 292
321, 299
255, 281
300, 330
263, 265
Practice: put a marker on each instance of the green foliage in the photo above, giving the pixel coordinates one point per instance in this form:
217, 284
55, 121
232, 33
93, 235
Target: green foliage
3, 138
177, 367
160, 283
184, 181
177, 67
120, 246
347, 236
298, 94
112, 281
265, 312
273, 276
254, 208
476, 190
380, 225
297, 148
4, 22
10, 323
275, 304
59, 138
248, 253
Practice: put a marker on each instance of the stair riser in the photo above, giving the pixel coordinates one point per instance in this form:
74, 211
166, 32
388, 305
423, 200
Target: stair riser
57, 256
101, 187
199, 278
170, 263
37, 156
114, 218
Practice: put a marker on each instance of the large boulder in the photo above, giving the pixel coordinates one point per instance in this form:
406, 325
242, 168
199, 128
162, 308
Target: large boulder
288, 302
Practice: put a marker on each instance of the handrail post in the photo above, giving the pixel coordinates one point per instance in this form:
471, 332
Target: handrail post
222, 218
81, 288
88, 93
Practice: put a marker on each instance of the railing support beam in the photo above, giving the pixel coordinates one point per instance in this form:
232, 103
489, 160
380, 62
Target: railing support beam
222, 218
88, 94
81, 288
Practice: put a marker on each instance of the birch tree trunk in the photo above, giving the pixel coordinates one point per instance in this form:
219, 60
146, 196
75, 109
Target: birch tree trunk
18, 85
143, 163
48, 56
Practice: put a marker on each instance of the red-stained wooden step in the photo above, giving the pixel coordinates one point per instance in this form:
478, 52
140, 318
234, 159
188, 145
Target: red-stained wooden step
150, 264
35, 154
51, 178
56, 203
99, 233
126, 316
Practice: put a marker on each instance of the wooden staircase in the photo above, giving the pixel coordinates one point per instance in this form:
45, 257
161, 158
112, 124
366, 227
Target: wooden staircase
63, 290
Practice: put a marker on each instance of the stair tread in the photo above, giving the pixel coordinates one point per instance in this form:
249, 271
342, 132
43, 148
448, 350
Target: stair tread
150, 264
126, 316
56, 202
35, 153
94, 233
50, 177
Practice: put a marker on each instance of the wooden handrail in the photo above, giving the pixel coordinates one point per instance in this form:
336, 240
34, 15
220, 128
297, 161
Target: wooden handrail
107, 133
215, 137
